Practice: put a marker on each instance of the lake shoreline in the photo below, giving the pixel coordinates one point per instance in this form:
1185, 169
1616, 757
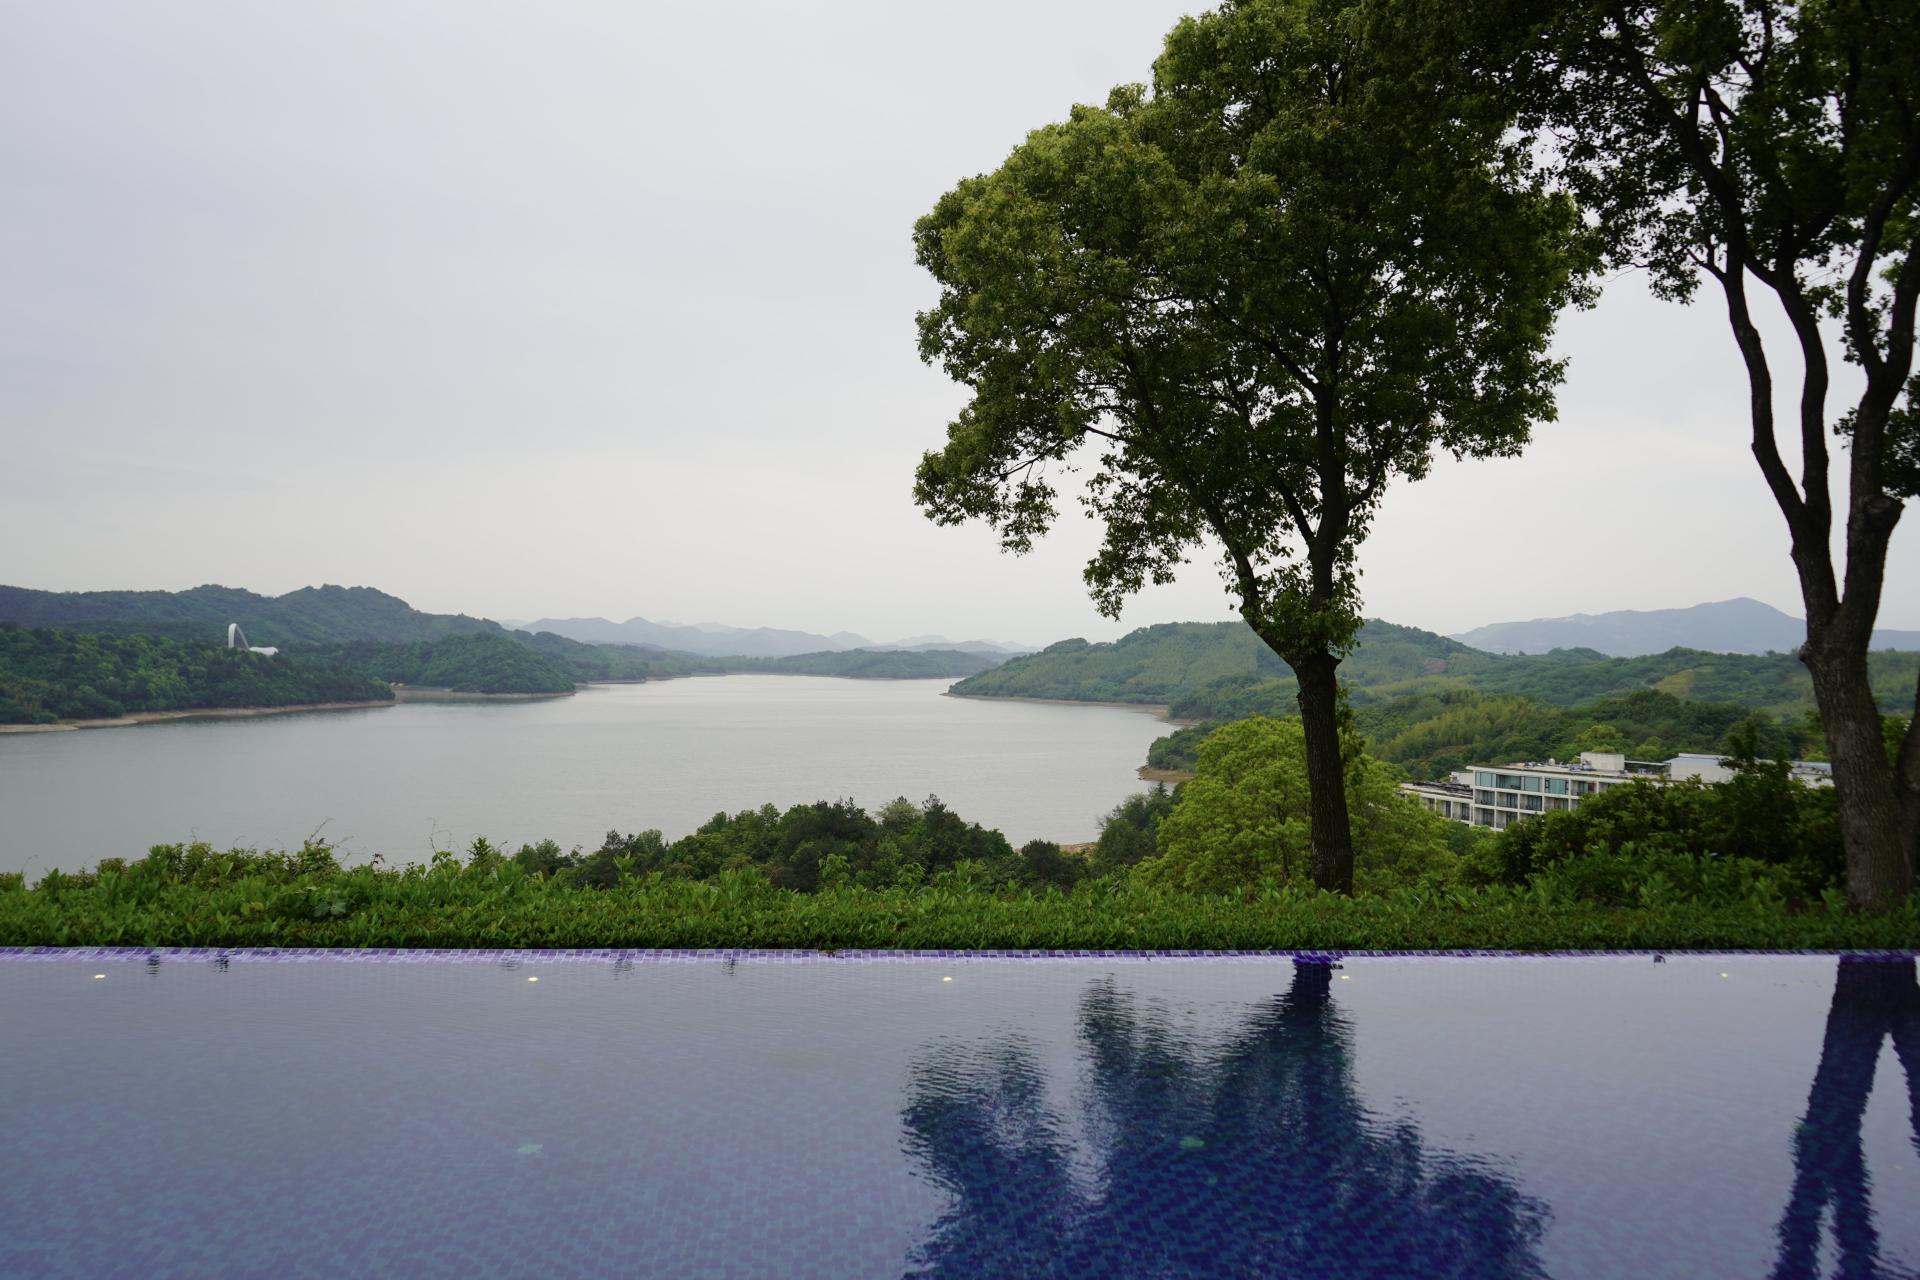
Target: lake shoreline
188, 713
1159, 709
420, 693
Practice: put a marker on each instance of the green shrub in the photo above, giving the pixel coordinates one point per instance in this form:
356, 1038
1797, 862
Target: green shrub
1131, 832
1760, 816
1244, 819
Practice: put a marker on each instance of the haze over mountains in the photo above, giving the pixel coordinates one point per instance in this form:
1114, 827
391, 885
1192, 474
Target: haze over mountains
713, 639
1728, 626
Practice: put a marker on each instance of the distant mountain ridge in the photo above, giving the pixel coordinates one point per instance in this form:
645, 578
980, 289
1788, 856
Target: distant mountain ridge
1727, 626
712, 640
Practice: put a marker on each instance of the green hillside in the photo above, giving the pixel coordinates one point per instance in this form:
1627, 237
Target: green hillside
462, 663
311, 615
1221, 671
1153, 664
48, 675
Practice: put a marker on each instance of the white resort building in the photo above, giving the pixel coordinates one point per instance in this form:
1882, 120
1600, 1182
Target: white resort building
1498, 795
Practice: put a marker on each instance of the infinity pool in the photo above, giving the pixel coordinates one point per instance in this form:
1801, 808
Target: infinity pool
177, 1114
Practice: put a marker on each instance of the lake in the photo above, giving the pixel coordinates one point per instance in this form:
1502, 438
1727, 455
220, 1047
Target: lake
1120, 1117
402, 780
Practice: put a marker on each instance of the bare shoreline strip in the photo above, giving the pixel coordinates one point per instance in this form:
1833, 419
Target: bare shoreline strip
418, 693
191, 713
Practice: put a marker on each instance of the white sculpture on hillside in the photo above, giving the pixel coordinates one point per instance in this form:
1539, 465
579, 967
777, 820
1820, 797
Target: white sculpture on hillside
235, 634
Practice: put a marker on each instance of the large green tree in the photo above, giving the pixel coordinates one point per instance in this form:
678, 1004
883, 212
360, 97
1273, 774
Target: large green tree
1774, 146
1306, 259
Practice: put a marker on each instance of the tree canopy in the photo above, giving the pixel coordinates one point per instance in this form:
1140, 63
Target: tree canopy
1304, 260
49, 675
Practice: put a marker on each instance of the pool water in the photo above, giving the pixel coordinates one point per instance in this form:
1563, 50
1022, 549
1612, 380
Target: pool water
177, 1114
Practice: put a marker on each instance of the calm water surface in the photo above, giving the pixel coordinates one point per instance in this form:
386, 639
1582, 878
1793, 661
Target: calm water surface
1097, 1118
668, 754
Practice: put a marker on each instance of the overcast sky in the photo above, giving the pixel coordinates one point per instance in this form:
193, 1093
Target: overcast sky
607, 309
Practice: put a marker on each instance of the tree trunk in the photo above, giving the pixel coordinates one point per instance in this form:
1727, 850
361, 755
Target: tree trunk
1871, 998
1879, 809
1879, 803
1326, 772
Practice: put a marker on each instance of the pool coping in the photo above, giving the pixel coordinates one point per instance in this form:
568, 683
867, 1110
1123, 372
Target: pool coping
657, 955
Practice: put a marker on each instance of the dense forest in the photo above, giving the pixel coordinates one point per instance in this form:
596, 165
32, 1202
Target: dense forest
1430, 735
470, 663
812, 847
48, 675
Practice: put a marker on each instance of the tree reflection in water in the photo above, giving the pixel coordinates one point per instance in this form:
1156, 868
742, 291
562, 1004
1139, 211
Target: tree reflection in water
1253, 1157
1872, 999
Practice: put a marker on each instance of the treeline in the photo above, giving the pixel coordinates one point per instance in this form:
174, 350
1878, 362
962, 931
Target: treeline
192, 896
1243, 821
1219, 863
1433, 734
48, 675
470, 663
810, 847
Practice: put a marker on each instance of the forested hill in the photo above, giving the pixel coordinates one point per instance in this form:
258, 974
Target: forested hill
462, 663
1222, 671
48, 675
311, 615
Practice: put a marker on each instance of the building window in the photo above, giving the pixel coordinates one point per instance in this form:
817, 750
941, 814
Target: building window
1530, 784
1556, 802
1482, 779
1509, 801
1530, 802
1483, 817
1483, 797
1557, 787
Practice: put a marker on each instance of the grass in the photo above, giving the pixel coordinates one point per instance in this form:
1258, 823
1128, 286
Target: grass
239, 902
